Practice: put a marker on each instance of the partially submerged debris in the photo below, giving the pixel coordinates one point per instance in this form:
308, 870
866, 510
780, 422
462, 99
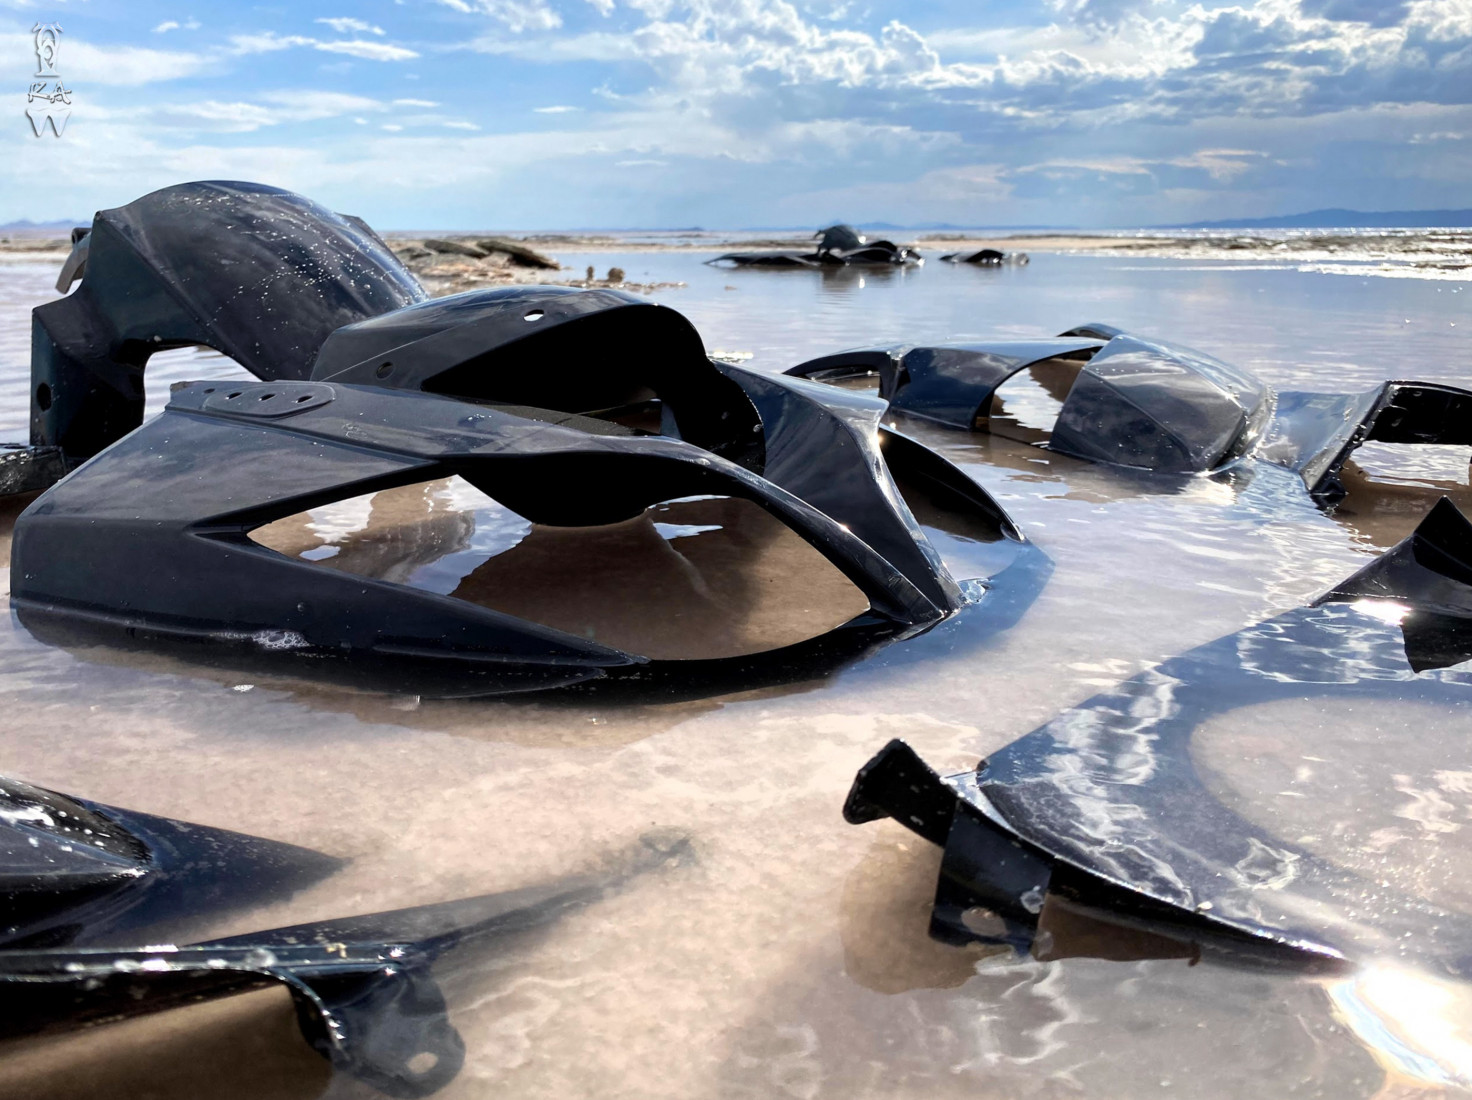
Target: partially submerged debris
101, 907
455, 248
1102, 815
1151, 404
986, 257
840, 245
407, 392
481, 248
520, 254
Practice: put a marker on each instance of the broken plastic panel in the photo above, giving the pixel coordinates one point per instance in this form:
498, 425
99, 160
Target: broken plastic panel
1149, 404
259, 274
1105, 815
97, 904
840, 245
78, 873
226, 459
986, 257
570, 409
1316, 433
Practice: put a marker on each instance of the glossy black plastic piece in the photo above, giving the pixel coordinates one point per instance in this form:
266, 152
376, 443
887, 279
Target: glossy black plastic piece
97, 902
1314, 434
259, 274
571, 408
149, 541
986, 257
1104, 809
29, 469
77, 873
839, 246
1160, 406
951, 384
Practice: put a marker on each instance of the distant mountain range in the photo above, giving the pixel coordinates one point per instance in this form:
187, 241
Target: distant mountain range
1346, 219
26, 226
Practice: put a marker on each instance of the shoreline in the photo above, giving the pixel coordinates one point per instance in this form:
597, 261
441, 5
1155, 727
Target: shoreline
1442, 253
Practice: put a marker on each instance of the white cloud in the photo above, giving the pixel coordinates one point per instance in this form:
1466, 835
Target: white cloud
236, 116
369, 51
82, 63
269, 41
518, 15
347, 25
764, 104
166, 26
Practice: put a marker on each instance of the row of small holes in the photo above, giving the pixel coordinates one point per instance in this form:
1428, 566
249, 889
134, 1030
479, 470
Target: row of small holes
264, 396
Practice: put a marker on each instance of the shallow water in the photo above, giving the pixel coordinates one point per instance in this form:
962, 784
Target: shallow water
790, 957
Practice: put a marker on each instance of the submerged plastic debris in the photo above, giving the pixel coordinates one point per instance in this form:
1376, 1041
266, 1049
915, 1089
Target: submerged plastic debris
1150, 404
98, 902
839, 246
1097, 833
986, 257
555, 409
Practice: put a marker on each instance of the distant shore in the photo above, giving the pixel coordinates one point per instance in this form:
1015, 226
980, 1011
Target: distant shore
1429, 253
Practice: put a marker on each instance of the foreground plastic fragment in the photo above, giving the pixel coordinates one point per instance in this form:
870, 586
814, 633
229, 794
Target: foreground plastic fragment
840, 246
77, 873
570, 409
1102, 813
1156, 405
86, 886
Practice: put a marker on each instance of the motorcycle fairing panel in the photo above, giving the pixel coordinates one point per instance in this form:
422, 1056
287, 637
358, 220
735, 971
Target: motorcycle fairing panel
98, 902
840, 245
79, 873
1103, 810
985, 257
572, 408
1134, 403
259, 274
1314, 434
151, 538
1158, 405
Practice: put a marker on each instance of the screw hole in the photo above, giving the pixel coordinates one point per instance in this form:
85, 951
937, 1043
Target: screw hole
304, 397
384, 370
209, 389
43, 396
423, 1062
535, 315
267, 396
232, 396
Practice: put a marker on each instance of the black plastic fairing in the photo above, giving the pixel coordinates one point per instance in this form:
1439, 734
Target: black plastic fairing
1108, 806
600, 354
259, 274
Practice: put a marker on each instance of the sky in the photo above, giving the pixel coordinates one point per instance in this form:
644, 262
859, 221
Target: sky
542, 114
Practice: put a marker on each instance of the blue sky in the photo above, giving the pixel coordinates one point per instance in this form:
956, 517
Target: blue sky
523, 114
